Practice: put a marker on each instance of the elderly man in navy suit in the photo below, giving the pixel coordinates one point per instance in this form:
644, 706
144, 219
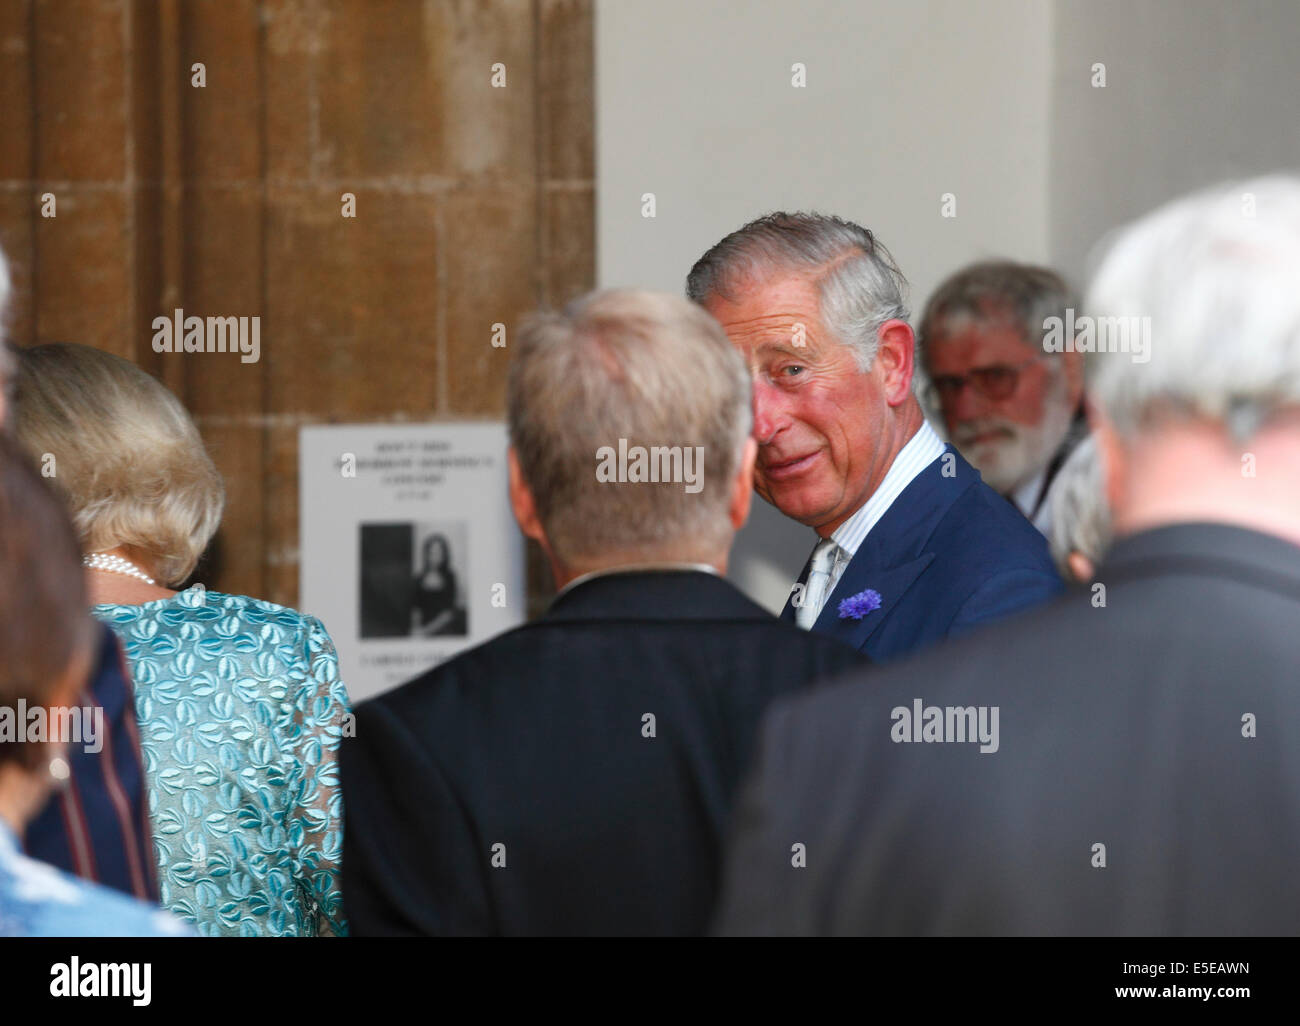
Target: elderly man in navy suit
912, 545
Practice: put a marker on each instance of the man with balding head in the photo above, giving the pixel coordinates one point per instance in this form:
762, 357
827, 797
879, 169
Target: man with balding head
574, 776
912, 547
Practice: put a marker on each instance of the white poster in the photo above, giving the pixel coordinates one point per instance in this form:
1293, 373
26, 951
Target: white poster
408, 550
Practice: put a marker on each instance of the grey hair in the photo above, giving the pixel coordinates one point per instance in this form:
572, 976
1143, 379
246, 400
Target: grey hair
1080, 512
858, 284
995, 289
1217, 275
647, 367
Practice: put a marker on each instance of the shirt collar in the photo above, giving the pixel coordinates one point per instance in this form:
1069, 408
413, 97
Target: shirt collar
922, 449
1027, 496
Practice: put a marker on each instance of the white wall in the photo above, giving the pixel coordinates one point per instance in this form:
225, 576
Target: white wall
1196, 91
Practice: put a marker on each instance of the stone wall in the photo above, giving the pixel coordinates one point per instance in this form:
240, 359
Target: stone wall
474, 203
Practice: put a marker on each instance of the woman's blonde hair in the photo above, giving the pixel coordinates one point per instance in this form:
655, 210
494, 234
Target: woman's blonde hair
124, 453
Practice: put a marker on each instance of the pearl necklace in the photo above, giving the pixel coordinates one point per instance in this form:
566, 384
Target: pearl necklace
115, 565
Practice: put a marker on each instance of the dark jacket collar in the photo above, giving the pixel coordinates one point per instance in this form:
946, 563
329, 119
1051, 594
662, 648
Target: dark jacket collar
1217, 549
655, 595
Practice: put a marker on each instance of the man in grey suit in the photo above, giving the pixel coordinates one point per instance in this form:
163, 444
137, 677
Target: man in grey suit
1125, 761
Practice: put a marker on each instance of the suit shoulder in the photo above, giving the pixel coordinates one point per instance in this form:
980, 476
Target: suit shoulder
758, 648
502, 656
984, 531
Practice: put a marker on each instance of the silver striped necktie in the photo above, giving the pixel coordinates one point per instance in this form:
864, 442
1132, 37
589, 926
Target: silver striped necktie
817, 586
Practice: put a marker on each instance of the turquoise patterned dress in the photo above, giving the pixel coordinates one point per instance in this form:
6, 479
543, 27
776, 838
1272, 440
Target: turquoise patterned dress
241, 711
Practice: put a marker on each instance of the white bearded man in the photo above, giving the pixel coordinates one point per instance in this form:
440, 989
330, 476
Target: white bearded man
1012, 407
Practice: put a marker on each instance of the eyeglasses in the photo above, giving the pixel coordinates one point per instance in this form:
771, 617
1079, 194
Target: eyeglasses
996, 382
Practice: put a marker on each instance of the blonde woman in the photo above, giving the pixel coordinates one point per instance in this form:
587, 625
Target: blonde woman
239, 700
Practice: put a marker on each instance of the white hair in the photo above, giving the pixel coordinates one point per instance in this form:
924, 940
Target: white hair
859, 286
1080, 513
1218, 275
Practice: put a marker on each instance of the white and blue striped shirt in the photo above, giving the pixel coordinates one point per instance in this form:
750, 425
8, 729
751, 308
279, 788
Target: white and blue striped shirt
922, 449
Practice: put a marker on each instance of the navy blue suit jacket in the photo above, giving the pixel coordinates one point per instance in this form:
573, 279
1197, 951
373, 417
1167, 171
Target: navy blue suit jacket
536, 741
948, 555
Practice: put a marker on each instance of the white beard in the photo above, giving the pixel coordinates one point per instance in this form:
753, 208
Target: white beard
1008, 462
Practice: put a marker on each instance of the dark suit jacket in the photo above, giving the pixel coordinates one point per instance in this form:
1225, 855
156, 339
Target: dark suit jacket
538, 741
949, 555
1124, 725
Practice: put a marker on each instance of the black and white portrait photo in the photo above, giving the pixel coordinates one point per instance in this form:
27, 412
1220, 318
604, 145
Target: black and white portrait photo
437, 583
413, 580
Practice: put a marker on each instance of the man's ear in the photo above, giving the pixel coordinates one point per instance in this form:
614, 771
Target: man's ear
1081, 567
521, 501
895, 351
742, 485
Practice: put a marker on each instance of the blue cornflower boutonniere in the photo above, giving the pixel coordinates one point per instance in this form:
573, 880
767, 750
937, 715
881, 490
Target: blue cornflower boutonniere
855, 607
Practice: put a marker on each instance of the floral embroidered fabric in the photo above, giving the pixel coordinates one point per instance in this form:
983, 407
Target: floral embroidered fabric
241, 712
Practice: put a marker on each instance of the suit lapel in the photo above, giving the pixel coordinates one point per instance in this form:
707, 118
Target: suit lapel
890, 583
893, 554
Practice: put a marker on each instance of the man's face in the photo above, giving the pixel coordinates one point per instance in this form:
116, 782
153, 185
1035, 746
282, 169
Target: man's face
1010, 437
818, 419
